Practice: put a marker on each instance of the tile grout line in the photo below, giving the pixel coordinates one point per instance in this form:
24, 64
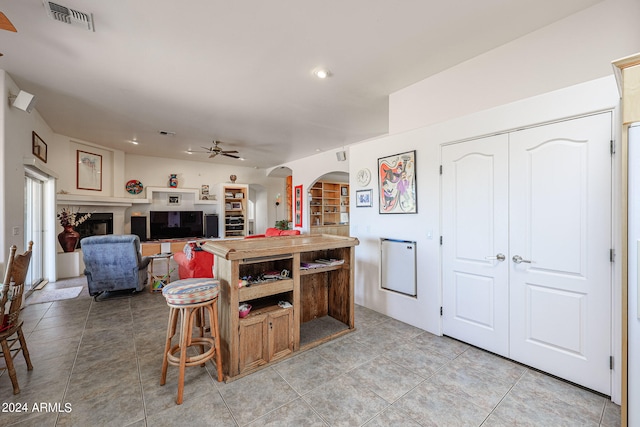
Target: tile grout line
66, 388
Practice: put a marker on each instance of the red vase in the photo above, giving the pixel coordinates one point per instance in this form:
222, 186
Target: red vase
68, 238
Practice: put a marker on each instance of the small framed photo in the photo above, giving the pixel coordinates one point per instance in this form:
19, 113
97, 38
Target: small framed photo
344, 191
364, 198
38, 147
88, 171
174, 200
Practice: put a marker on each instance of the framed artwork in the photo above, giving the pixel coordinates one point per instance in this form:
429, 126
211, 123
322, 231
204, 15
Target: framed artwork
344, 191
38, 147
88, 171
364, 198
397, 183
173, 200
298, 206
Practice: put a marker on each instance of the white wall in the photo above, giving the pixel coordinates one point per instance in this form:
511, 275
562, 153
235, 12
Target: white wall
16, 128
576, 49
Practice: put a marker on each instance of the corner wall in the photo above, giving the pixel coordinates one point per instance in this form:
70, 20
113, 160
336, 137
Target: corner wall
576, 49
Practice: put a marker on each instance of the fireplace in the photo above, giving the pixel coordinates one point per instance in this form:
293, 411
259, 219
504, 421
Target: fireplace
98, 224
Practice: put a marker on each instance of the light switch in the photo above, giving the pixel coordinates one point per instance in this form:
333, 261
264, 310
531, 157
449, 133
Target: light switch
16, 231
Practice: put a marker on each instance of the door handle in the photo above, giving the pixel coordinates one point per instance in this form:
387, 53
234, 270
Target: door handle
518, 259
499, 257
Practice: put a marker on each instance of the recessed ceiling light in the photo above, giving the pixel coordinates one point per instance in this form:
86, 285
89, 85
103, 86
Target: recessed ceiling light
321, 73
189, 152
133, 141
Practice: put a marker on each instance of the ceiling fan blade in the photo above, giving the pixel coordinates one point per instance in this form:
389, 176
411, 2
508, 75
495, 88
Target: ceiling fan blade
5, 24
231, 155
230, 152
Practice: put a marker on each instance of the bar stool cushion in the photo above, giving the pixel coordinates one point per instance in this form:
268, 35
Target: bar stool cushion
191, 291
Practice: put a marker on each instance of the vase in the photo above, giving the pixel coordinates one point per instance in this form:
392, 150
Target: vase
68, 238
173, 180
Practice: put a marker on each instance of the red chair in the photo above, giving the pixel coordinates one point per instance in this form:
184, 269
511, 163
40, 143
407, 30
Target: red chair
272, 232
194, 263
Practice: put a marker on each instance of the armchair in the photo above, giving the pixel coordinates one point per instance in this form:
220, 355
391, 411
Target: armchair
114, 263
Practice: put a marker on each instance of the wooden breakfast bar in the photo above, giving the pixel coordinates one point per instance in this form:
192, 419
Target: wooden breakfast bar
300, 289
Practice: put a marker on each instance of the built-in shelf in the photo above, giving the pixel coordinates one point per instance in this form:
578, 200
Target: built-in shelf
92, 200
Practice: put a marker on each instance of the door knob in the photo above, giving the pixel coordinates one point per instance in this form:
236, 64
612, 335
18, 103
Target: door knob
518, 259
499, 257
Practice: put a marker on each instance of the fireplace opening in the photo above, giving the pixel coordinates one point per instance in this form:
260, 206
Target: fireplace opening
98, 224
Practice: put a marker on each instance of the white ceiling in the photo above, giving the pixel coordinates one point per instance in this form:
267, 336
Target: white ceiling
241, 71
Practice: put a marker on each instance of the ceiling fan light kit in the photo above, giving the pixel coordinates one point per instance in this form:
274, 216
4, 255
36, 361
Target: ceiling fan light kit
216, 149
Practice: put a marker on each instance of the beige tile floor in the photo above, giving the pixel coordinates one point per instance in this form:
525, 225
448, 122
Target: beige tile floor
99, 362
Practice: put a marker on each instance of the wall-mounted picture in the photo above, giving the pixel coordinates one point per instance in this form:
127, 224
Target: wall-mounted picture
298, 206
397, 183
364, 198
89, 171
344, 191
38, 147
173, 200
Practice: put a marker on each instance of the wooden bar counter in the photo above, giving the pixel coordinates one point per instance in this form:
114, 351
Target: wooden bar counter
320, 299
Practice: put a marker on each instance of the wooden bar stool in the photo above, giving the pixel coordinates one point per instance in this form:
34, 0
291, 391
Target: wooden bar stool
189, 299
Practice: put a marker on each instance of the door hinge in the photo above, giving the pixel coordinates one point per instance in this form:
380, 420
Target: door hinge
441, 311
612, 255
440, 169
440, 240
611, 362
613, 147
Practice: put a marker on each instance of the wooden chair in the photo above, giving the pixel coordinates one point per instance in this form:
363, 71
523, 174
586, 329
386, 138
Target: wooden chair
10, 322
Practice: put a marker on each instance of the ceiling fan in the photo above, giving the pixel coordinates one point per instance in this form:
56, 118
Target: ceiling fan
216, 149
5, 24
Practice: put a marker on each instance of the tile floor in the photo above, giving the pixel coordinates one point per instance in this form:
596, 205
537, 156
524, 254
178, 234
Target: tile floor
99, 362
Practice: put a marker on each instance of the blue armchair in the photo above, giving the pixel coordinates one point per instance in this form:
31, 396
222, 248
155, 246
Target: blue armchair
114, 263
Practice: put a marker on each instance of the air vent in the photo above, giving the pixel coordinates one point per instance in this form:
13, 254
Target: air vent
69, 16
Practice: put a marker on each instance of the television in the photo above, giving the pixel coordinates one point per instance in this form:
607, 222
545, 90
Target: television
175, 224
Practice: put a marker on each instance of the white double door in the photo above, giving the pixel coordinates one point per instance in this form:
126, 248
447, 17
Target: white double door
526, 227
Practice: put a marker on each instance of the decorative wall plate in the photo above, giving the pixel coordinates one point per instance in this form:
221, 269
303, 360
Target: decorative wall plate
363, 177
134, 186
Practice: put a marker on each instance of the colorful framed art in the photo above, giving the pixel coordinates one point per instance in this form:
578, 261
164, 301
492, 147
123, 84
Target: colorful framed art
397, 183
298, 205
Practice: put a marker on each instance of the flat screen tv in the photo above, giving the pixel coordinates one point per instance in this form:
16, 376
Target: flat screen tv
175, 224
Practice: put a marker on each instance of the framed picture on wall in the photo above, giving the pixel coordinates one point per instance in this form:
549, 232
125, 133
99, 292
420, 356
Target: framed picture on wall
174, 200
364, 198
88, 171
298, 206
38, 147
397, 183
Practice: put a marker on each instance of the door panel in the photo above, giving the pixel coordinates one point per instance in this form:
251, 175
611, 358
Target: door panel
474, 223
542, 197
560, 221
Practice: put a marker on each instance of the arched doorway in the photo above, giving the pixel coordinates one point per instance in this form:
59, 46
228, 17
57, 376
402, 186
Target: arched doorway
328, 204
